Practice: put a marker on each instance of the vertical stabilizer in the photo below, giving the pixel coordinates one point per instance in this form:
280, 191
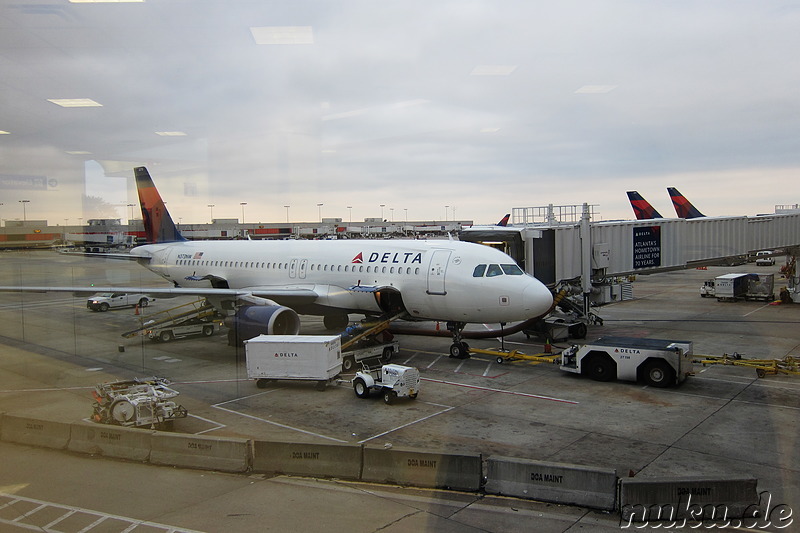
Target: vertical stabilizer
683, 207
504, 220
641, 207
158, 225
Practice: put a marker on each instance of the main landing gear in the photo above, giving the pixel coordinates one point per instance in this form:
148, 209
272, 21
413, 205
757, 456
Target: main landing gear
459, 349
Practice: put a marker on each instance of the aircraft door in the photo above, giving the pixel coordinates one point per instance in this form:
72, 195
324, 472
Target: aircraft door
293, 268
303, 268
437, 270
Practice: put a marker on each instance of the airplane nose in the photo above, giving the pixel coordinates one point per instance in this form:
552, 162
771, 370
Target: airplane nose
537, 298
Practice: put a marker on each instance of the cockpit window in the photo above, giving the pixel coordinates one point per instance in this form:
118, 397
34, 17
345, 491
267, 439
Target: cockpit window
494, 270
478, 272
512, 270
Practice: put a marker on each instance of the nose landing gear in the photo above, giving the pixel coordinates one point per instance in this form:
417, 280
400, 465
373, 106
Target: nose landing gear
459, 349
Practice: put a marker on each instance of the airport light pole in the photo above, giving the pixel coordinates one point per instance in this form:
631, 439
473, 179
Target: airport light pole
382, 206
131, 217
391, 213
445, 212
319, 208
211, 207
242, 204
287, 212
350, 207
23, 202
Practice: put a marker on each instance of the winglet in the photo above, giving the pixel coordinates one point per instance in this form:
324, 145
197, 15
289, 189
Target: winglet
158, 225
683, 207
504, 220
641, 207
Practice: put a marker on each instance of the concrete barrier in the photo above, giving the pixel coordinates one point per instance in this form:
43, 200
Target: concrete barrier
35, 432
341, 461
110, 441
691, 498
200, 451
406, 466
552, 482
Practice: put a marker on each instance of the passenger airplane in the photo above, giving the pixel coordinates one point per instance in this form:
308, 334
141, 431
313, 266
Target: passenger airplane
267, 283
641, 207
683, 207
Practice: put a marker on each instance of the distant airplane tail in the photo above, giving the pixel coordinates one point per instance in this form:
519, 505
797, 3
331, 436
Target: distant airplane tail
641, 207
504, 220
158, 225
683, 207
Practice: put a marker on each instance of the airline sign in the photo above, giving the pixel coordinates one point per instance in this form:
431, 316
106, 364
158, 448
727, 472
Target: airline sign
402, 258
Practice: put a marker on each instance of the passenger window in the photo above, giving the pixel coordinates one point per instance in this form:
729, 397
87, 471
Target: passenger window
512, 270
478, 272
494, 270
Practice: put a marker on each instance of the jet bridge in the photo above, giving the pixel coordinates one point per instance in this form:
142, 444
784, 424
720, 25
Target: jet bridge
563, 247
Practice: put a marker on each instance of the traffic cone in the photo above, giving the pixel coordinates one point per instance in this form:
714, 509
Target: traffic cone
548, 348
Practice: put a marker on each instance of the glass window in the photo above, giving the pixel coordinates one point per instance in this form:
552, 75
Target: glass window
512, 270
494, 270
478, 272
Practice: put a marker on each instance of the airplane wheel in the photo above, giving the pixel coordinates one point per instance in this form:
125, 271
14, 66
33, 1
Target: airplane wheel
459, 350
360, 388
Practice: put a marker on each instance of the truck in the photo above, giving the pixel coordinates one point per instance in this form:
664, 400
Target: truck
392, 381
188, 328
764, 258
657, 362
106, 300
293, 357
747, 286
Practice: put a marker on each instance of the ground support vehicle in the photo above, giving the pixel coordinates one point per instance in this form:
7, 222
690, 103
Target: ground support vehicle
378, 352
708, 289
186, 328
764, 258
107, 300
788, 365
137, 402
502, 356
193, 318
392, 381
368, 341
293, 357
659, 363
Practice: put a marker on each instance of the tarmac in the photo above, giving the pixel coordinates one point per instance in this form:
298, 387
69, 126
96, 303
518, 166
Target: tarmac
723, 421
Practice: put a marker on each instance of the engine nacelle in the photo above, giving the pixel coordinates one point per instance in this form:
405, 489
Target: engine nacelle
253, 320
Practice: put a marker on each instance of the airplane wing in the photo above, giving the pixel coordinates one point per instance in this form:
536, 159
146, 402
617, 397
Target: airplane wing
286, 296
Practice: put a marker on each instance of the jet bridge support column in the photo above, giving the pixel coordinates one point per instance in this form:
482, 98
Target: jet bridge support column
586, 257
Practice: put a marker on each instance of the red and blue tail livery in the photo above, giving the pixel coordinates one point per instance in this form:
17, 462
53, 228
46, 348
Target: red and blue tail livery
683, 207
641, 207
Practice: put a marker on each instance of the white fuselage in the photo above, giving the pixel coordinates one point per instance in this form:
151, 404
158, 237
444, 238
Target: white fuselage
436, 279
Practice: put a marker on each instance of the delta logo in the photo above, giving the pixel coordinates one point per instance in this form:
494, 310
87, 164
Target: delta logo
396, 258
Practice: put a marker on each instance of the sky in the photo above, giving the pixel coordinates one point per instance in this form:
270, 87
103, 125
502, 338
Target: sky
435, 110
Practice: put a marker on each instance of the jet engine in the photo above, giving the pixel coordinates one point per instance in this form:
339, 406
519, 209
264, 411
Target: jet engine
253, 320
